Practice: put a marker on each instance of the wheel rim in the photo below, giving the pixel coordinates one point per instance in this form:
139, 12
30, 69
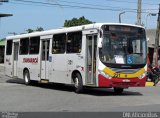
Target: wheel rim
26, 78
76, 82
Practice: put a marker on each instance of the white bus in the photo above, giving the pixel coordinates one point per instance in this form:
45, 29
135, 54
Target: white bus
110, 55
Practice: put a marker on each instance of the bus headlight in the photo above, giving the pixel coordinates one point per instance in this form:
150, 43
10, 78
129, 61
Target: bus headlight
106, 75
142, 76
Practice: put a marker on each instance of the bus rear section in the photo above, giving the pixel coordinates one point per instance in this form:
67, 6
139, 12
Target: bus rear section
122, 57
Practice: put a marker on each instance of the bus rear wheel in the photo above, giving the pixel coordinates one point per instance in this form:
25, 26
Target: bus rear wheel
118, 90
26, 76
78, 83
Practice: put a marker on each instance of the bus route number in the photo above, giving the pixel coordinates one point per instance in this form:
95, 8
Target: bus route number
116, 75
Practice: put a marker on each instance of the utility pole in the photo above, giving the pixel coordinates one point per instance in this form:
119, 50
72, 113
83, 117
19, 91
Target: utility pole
139, 11
157, 38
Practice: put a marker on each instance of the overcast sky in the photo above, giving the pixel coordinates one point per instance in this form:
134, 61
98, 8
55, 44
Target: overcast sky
51, 14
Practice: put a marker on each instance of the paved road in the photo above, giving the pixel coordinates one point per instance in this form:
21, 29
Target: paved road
16, 97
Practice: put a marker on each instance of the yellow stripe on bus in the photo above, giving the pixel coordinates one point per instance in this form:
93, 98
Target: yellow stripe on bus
123, 75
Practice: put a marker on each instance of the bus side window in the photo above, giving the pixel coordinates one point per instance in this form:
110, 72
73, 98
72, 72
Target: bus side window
74, 42
34, 45
24, 46
58, 45
9, 47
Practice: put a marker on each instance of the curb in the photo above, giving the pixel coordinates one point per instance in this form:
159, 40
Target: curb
149, 84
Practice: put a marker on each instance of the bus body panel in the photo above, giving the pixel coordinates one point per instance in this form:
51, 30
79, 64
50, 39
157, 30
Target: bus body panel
59, 68
75, 62
9, 66
31, 63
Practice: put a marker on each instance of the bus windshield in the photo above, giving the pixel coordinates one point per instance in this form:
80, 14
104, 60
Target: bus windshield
123, 45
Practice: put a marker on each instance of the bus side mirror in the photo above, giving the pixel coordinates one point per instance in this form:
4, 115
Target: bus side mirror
100, 43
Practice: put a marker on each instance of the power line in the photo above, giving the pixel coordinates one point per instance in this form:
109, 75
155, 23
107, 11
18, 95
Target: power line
66, 5
88, 4
12, 2
129, 2
109, 8
50, 4
105, 5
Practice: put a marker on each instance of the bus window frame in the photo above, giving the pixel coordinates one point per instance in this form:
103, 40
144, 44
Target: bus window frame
9, 48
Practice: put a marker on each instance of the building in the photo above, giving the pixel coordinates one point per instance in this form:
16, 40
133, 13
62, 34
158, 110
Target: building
151, 35
2, 48
2, 42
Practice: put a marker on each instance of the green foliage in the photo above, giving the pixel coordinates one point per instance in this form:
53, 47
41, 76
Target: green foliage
77, 22
31, 30
2, 39
39, 29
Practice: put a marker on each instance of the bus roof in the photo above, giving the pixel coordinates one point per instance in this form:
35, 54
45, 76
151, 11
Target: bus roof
66, 29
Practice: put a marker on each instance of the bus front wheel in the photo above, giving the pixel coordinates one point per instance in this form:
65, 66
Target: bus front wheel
78, 83
118, 90
26, 77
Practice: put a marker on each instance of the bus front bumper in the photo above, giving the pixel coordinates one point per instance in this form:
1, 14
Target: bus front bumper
120, 82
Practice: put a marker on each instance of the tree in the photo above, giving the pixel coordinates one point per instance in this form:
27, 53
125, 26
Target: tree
31, 30
39, 29
77, 22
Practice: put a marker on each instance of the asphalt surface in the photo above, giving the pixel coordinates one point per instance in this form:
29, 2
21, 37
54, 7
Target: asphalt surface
17, 97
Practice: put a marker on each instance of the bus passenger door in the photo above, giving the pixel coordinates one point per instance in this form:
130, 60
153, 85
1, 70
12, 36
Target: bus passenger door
15, 59
45, 59
91, 59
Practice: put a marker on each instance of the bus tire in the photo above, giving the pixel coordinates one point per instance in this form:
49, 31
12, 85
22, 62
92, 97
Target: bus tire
78, 83
26, 76
118, 90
